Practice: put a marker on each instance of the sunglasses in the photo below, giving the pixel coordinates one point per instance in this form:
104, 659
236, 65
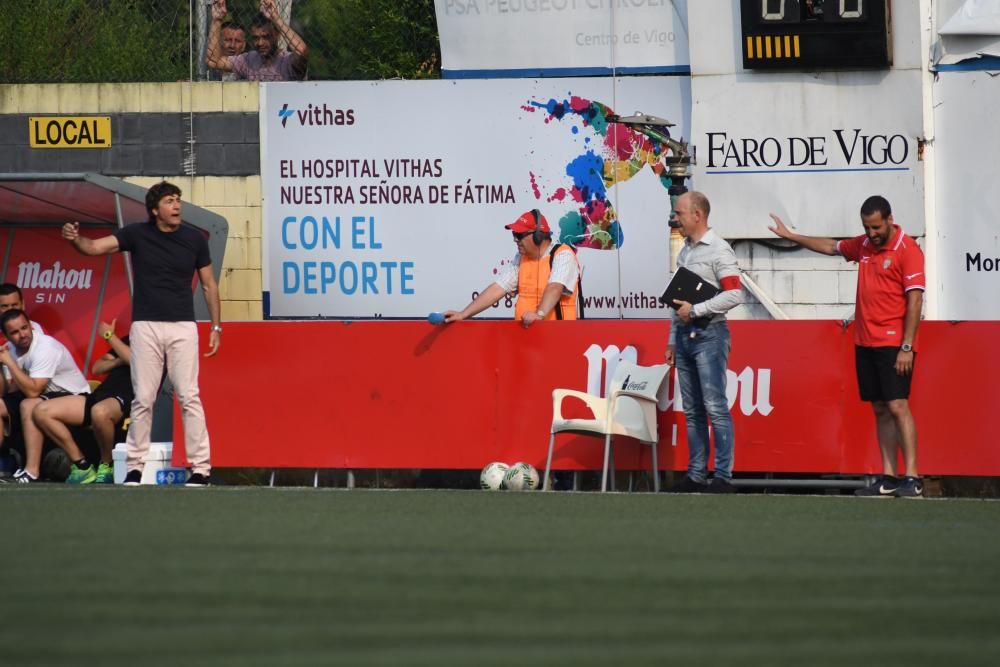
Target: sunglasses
519, 236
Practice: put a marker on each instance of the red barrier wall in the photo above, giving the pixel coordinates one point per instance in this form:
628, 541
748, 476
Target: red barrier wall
412, 395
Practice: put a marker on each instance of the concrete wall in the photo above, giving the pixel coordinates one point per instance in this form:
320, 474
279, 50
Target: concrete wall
202, 136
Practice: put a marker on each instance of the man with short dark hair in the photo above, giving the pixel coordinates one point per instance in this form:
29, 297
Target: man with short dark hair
890, 297
165, 256
265, 62
103, 411
39, 367
234, 42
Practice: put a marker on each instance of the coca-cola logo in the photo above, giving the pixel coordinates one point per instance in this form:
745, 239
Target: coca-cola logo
750, 388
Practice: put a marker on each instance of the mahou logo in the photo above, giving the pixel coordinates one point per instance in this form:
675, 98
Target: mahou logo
750, 388
31, 275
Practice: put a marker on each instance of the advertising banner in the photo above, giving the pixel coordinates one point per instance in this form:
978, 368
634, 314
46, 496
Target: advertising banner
414, 395
810, 149
389, 199
65, 292
569, 37
967, 198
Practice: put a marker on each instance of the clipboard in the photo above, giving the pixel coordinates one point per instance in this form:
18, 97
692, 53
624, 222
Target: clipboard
686, 285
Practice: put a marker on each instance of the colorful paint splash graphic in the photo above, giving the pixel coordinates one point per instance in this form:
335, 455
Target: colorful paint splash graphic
614, 154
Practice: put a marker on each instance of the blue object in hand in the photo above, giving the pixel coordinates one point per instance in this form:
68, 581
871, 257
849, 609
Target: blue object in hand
436, 318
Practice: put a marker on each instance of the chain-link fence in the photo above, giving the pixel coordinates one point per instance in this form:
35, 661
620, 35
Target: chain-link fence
85, 41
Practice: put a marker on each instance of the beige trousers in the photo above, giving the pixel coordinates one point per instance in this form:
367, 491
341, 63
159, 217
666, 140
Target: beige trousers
175, 344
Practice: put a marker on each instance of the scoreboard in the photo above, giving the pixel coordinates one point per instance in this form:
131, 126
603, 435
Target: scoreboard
816, 34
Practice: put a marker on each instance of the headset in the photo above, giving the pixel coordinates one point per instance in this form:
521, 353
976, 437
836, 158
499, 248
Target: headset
538, 235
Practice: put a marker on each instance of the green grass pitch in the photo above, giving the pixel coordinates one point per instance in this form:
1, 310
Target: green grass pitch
258, 576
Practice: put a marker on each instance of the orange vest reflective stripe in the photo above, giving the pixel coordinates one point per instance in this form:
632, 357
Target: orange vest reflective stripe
532, 279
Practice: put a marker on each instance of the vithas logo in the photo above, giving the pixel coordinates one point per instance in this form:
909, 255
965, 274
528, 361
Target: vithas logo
30, 275
316, 115
284, 113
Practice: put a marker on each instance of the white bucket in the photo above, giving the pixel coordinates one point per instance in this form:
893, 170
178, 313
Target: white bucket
157, 469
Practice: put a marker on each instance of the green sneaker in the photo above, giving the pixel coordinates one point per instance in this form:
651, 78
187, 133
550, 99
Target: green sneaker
79, 476
105, 474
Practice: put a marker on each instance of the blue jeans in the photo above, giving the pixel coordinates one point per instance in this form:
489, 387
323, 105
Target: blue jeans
701, 365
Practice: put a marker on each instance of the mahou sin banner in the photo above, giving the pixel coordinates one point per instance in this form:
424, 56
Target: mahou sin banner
389, 199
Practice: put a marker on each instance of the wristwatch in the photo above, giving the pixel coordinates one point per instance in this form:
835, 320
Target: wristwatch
108, 334
540, 313
217, 327
906, 347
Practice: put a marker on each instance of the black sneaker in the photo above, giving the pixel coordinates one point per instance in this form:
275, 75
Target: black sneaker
688, 485
910, 487
197, 479
718, 485
133, 478
883, 487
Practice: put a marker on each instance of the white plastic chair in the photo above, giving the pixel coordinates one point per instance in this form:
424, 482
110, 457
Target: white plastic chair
629, 409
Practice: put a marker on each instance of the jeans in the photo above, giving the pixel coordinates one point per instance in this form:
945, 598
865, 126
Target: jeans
701, 363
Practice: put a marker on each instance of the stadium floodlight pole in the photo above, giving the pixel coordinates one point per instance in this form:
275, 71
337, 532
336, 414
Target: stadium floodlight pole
678, 165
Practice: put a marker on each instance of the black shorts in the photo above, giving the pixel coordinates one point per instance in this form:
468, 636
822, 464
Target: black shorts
877, 376
13, 401
97, 396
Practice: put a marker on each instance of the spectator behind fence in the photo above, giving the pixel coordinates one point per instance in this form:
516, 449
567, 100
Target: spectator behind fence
265, 63
234, 42
40, 368
104, 411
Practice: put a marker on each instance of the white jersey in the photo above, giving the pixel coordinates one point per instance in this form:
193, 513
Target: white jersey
48, 358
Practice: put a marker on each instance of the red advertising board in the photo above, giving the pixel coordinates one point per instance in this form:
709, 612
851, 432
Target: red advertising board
413, 395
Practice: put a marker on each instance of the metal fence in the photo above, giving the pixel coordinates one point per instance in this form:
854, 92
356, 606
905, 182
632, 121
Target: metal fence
85, 41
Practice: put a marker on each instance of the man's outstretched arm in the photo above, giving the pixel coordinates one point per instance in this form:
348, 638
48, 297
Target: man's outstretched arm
814, 243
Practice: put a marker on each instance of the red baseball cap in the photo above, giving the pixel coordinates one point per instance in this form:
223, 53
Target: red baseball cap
527, 222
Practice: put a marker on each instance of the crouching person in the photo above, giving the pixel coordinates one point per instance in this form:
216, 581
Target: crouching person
103, 411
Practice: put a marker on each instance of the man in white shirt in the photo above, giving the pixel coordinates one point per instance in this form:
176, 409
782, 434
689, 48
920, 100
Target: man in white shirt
38, 367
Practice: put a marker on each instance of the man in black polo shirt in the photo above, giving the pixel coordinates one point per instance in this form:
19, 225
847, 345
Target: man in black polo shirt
165, 257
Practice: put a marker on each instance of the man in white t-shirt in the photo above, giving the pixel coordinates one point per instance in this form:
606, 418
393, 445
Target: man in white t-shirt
38, 367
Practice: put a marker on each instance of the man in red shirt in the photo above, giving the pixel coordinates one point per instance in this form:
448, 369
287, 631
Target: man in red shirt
890, 296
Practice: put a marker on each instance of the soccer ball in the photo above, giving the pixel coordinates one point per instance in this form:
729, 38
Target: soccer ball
492, 476
521, 477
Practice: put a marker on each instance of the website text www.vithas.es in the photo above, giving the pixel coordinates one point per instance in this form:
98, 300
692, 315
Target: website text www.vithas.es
632, 300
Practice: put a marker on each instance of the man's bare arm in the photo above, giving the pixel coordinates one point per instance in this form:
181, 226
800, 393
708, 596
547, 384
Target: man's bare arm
815, 243
88, 246
214, 57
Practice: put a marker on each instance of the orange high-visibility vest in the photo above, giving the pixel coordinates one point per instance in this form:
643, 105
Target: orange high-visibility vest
533, 278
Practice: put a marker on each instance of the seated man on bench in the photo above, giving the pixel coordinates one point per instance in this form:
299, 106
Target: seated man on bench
104, 411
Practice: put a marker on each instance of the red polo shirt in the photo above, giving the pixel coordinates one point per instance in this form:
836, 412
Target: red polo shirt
885, 275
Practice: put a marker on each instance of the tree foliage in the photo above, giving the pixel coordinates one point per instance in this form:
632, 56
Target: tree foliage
371, 39
93, 40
